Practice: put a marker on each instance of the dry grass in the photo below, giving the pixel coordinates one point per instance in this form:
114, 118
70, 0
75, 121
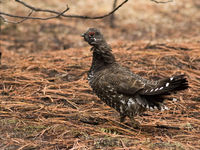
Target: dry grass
46, 102
45, 99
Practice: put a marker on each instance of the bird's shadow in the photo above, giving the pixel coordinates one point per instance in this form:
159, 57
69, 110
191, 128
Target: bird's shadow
151, 130
158, 130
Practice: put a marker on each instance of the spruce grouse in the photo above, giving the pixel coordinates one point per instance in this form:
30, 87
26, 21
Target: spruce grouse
120, 88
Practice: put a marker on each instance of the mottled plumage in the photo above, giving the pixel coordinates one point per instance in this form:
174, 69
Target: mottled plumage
121, 89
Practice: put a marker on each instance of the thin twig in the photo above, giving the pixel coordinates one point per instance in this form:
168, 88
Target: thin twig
29, 16
37, 9
98, 17
8, 21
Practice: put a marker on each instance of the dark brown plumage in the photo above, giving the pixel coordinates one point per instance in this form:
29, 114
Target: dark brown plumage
121, 89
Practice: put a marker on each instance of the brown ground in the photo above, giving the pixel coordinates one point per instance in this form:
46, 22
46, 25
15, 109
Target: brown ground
45, 99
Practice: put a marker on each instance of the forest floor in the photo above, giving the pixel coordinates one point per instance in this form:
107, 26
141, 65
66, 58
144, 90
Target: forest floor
45, 99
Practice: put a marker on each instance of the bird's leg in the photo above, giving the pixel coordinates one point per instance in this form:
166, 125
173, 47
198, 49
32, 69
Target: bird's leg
134, 123
122, 117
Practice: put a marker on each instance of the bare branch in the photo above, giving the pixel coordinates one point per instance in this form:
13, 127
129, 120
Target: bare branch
8, 21
98, 17
58, 14
29, 15
38, 9
163, 2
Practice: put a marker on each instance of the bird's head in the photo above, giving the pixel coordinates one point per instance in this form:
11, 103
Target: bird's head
99, 46
93, 36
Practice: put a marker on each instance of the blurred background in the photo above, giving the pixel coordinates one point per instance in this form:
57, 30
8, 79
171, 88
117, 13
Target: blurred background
135, 20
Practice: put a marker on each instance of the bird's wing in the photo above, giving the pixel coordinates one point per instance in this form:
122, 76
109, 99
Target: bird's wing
124, 84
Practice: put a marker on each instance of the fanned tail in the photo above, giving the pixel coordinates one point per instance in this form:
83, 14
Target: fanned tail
167, 86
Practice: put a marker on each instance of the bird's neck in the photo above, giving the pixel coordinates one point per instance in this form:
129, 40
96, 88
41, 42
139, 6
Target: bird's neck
102, 57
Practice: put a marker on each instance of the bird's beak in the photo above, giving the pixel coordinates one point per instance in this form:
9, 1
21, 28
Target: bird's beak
83, 34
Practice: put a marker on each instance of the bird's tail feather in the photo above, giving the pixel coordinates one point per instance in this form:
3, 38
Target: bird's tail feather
167, 86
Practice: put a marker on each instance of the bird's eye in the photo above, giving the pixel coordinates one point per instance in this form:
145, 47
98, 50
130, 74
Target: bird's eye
91, 34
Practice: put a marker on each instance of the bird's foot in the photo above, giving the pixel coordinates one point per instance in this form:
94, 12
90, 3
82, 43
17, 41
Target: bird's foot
135, 124
122, 118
